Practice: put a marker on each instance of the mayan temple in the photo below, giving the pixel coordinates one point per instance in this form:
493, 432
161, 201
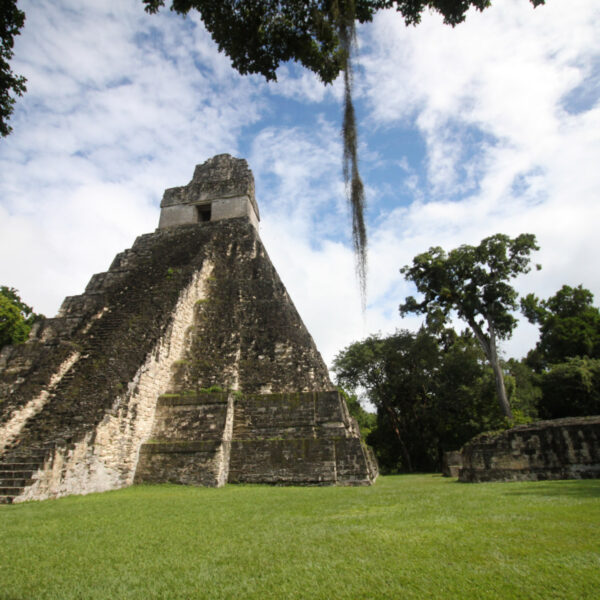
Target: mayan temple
185, 362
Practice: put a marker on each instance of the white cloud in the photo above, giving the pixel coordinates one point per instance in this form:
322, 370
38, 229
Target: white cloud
116, 111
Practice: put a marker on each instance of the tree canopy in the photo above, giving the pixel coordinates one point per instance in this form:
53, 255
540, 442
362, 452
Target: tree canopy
11, 21
473, 282
260, 35
433, 391
569, 326
571, 388
16, 318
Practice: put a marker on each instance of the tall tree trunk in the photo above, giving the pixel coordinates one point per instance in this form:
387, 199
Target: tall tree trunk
498, 375
396, 428
491, 353
501, 390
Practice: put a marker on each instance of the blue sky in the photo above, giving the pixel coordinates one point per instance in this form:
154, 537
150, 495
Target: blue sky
493, 126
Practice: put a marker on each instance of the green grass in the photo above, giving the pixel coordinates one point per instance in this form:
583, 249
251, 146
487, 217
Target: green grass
416, 536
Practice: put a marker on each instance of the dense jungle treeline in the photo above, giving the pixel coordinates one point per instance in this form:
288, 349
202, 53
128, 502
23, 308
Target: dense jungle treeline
433, 390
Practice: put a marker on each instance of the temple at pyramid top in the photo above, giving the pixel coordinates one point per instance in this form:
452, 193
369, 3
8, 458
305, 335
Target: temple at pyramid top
221, 188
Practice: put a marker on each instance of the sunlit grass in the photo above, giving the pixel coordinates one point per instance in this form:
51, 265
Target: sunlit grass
416, 536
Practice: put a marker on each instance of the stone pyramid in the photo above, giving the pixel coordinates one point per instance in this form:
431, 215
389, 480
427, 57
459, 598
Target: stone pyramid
185, 362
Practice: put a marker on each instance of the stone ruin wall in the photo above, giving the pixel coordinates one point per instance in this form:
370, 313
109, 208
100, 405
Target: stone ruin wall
560, 449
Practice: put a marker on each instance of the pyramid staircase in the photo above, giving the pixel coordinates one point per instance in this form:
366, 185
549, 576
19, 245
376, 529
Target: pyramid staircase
17, 470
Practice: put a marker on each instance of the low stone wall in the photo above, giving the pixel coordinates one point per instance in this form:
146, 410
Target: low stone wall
559, 449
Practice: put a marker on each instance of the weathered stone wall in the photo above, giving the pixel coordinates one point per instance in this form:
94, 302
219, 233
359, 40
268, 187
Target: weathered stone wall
211, 438
297, 439
190, 440
293, 415
247, 334
560, 449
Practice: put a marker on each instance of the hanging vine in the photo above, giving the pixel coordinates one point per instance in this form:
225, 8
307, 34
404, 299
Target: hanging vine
345, 17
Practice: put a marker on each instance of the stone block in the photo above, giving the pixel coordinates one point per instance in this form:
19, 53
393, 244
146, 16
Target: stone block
298, 461
189, 463
451, 463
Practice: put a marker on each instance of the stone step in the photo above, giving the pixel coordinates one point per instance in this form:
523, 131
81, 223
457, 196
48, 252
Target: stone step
180, 446
24, 457
32, 451
10, 491
198, 398
15, 482
8, 474
19, 466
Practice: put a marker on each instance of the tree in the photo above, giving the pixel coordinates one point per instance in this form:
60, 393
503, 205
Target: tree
16, 318
523, 387
433, 391
571, 388
473, 281
368, 365
367, 421
11, 21
569, 326
260, 35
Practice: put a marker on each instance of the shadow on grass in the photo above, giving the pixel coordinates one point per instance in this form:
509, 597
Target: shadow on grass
582, 488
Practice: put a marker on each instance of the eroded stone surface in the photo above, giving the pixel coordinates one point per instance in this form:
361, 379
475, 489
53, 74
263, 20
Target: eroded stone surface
559, 449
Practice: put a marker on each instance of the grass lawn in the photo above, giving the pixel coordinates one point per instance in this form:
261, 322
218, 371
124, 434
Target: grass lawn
418, 536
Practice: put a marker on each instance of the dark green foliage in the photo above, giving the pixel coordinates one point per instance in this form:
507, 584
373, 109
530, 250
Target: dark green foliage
367, 421
16, 318
11, 21
473, 282
433, 392
569, 326
523, 386
260, 35
567, 355
571, 389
